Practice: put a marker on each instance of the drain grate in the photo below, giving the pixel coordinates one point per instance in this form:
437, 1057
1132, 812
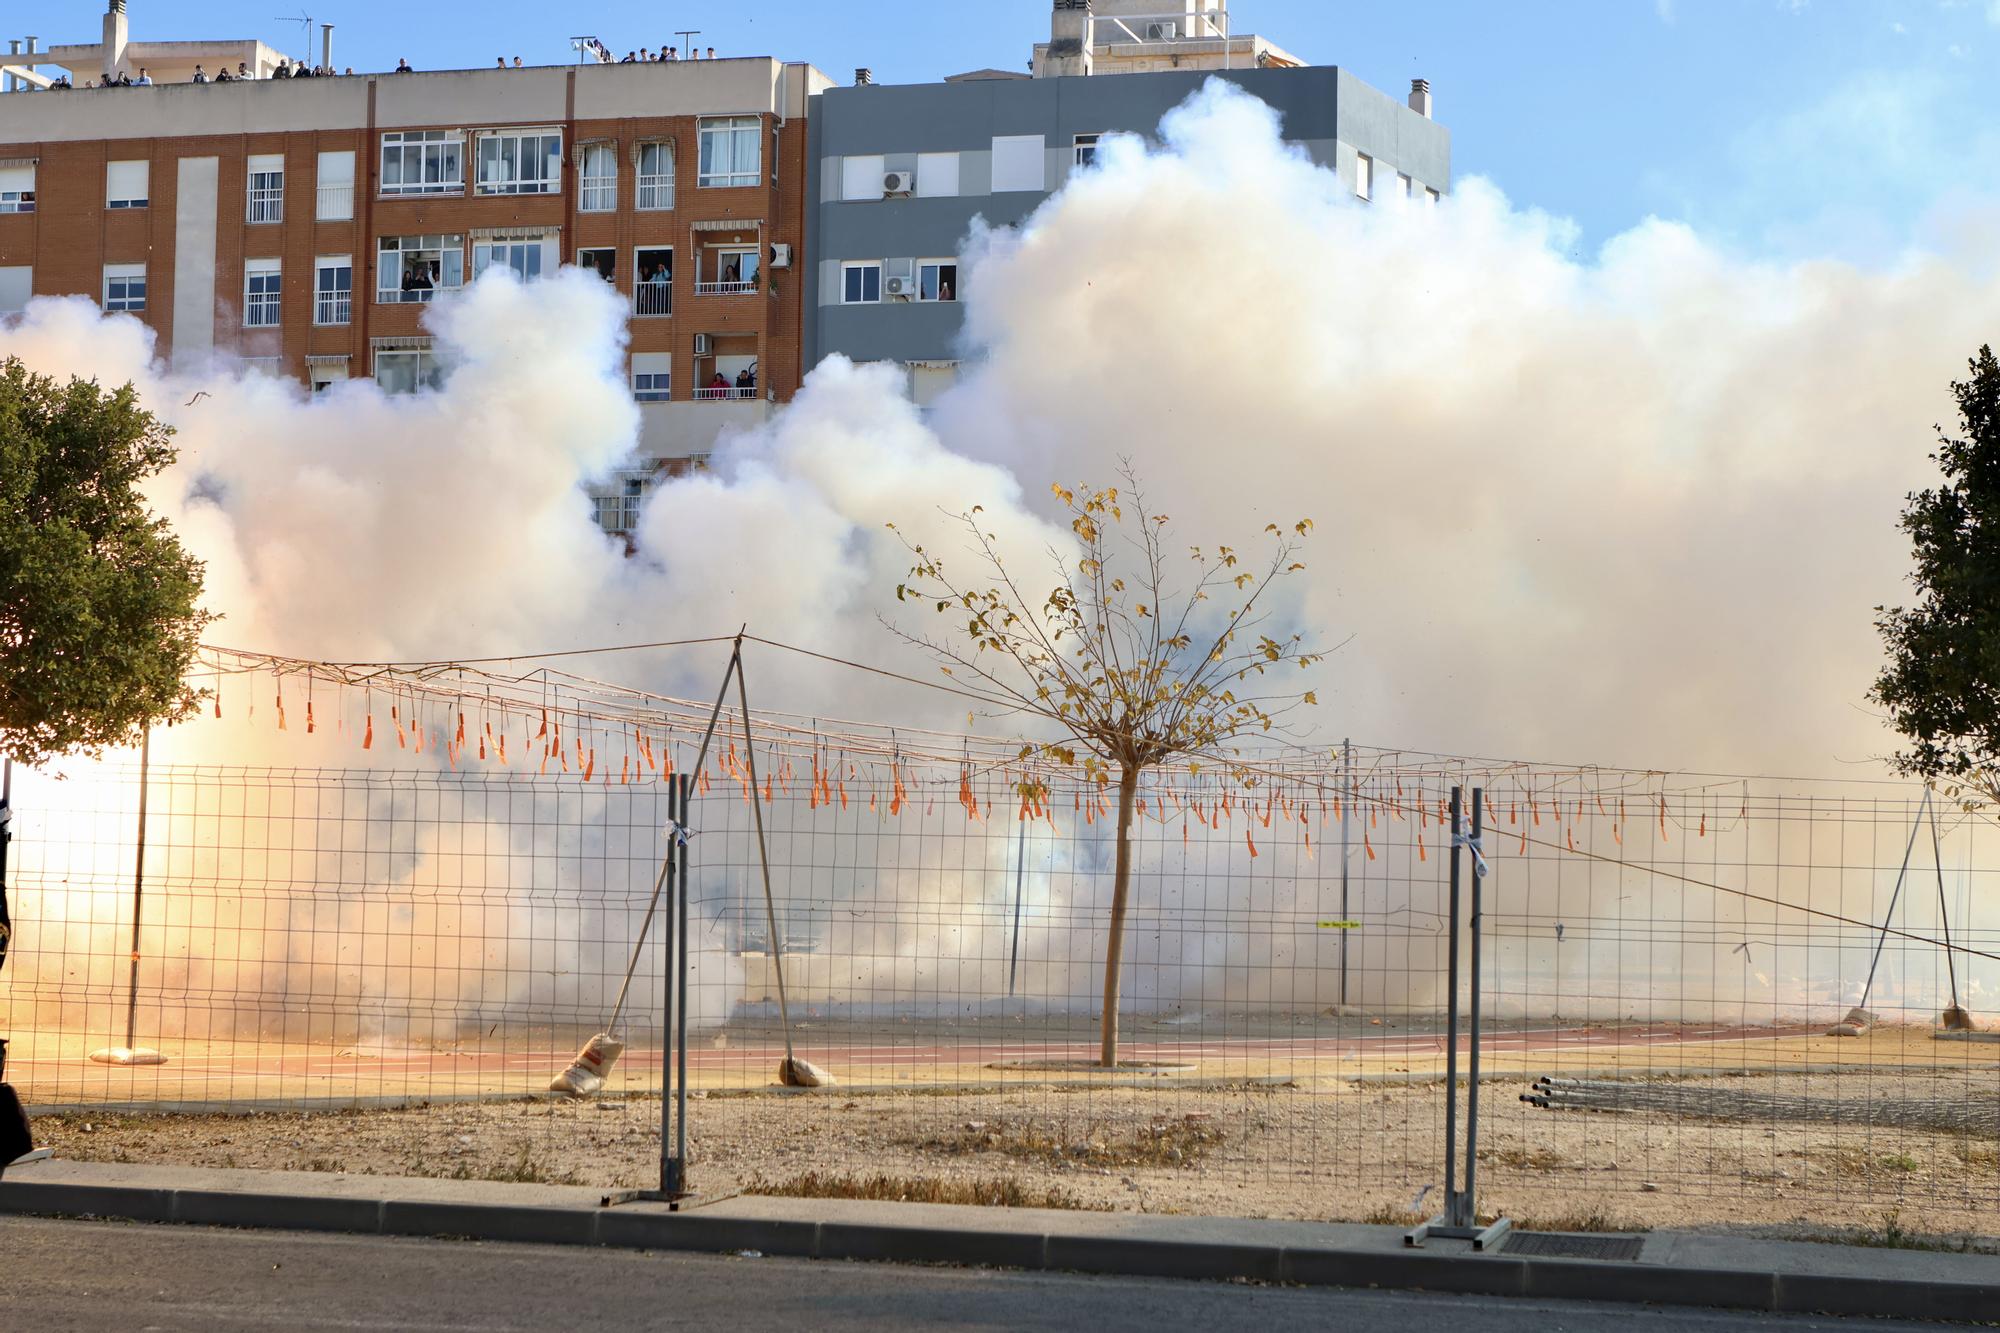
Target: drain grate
1561, 1245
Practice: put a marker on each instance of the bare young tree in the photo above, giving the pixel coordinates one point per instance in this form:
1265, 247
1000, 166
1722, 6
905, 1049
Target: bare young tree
1135, 667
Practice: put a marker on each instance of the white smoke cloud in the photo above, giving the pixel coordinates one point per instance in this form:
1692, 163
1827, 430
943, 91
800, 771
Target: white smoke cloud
1635, 508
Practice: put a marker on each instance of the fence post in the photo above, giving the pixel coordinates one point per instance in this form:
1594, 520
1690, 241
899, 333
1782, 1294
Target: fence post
686, 783
1460, 1220
670, 1164
129, 1054
1346, 807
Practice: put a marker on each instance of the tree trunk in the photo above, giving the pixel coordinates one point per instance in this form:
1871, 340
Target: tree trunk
1128, 791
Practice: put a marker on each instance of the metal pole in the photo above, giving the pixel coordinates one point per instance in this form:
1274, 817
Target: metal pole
1868, 987
138, 892
1346, 810
763, 859
1451, 1035
669, 1165
1020, 868
681, 1085
1944, 916
1472, 1092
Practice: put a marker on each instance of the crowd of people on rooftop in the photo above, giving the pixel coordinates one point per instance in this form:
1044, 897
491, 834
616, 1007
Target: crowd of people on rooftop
299, 69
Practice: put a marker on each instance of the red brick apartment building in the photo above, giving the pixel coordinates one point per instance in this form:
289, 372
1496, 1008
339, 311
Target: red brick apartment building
304, 223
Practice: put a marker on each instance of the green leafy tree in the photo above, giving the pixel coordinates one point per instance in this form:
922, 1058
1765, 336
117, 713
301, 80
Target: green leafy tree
1941, 686
1130, 664
98, 614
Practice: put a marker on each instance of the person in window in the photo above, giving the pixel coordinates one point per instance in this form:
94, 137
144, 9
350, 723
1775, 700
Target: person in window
224, 76
283, 71
746, 383
662, 275
200, 75
243, 72
731, 272
403, 67
718, 385
944, 290
145, 79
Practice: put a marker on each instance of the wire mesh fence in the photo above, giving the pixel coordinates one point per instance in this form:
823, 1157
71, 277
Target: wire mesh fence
382, 968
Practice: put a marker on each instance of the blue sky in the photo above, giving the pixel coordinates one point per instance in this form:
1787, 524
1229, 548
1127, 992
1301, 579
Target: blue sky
1787, 127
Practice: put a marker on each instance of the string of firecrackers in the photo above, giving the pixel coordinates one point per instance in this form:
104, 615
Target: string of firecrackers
562, 721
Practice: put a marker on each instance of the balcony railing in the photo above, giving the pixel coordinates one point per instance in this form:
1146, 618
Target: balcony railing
619, 514
24, 204
267, 205
653, 298
656, 192
598, 196
333, 308
723, 393
733, 288
336, 201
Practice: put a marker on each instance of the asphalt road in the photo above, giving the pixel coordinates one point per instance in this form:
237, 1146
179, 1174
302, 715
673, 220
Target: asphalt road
75, 1275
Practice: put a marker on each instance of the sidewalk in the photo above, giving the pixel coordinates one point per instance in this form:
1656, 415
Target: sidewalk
1671, 1267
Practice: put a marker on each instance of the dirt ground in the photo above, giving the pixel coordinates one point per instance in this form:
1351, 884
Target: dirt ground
1347, 1151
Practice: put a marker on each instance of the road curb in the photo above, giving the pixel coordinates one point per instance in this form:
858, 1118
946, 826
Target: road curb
1013, 1239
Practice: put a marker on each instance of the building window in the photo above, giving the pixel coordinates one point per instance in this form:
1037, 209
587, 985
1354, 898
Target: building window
735, 271
937, 175
333, 290
407, 369
17, 189
325, 375
604, 263
17, 285
125, 287
125, 184
861, 284
262, 284
516, 163
336, 185
416, 268
423, 162
1402, 185
267, 188
937, 280
1019, 163
1364, 175
656, 176
1430, 195
597, 173
861, 176
731, 151
618, 510
652, 376
523, 255
1086, 149
653, 293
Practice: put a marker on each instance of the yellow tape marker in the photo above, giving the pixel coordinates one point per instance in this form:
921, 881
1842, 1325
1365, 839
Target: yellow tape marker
1340, 925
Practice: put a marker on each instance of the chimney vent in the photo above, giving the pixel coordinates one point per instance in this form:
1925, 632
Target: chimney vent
863, 77
1420, 97
326, 46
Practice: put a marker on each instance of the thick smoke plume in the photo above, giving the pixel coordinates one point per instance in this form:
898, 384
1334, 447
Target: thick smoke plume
1635, 508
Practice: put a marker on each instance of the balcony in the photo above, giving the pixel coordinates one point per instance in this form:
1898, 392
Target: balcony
336, 201
738, 288
267, 205
656, 192
722, 393
333, 308
653, 298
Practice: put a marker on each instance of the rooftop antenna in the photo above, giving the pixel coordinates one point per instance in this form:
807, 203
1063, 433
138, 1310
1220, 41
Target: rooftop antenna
304, 20
689, 33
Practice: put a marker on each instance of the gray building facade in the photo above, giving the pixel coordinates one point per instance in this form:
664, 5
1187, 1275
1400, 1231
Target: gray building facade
896, 175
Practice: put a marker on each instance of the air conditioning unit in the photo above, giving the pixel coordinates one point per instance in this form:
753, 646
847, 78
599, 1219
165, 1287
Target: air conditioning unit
781, 255
704, 344
1162, 32
898, 182
903, 287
